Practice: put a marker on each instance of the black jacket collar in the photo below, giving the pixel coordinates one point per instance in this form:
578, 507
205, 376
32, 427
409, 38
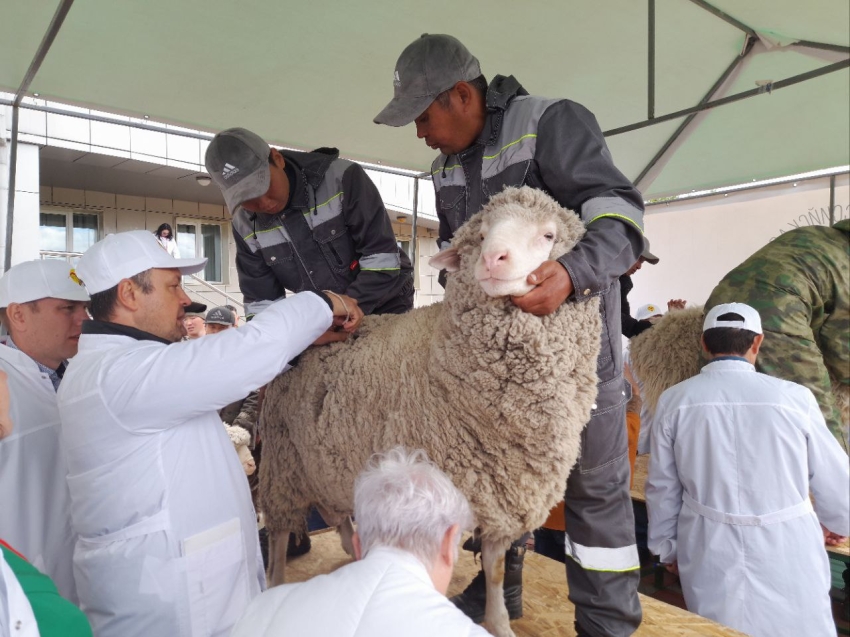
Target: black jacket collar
500, 93
115, 329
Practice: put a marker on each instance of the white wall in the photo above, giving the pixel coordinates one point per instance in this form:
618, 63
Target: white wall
25, 231
699, 242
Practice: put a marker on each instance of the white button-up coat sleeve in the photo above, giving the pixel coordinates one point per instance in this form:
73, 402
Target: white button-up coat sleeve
212, 371
663, 488
829, 474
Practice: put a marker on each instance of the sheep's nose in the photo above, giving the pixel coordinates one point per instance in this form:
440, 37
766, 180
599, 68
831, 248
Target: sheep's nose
495, 258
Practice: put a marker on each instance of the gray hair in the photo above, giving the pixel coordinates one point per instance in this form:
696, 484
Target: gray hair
403, 500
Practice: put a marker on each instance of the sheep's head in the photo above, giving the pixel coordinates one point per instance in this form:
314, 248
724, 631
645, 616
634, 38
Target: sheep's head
514, 233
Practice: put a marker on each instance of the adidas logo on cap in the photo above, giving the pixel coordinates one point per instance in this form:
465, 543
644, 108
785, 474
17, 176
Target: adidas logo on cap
228, 171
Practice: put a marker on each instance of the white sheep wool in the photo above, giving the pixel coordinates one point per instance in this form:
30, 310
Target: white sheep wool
241, 440
497, 397
668, 353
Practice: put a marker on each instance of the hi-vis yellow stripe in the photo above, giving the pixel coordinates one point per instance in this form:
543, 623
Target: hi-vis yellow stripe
506, 146
253, 234
439, 170
339, 194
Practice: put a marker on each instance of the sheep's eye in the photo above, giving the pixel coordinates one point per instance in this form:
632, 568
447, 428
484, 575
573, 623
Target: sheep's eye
482, 238
549, 235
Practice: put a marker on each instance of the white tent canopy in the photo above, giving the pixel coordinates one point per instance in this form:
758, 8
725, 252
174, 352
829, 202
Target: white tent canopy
309, 74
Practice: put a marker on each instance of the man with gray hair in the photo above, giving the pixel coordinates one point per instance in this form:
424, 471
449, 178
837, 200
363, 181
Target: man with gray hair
43, 310
409, 519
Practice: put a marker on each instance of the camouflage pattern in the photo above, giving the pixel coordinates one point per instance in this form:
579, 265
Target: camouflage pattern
800, 285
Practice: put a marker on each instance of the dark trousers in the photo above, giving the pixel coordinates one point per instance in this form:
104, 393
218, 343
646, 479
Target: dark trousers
602, 564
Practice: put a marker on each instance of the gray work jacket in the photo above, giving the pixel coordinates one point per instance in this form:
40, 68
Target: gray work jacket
554, 145
335, 235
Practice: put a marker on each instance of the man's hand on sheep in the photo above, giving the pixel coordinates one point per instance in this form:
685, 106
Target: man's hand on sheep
676, 304
552, 287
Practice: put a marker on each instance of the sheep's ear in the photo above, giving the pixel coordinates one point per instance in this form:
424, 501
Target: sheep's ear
448, 260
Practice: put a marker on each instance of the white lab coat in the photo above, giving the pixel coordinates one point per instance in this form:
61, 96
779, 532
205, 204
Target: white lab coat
734, 456
16, 616
35, 504
168, 541
387, 594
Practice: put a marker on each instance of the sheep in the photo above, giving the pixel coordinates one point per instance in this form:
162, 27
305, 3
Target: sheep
497, 397
667, 354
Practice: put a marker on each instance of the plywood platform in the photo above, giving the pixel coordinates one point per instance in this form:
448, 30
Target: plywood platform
548, 612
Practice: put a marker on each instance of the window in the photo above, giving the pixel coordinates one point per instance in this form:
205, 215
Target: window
202, 240
66, 235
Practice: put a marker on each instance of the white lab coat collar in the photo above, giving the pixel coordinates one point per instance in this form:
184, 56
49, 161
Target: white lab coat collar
728, 366
18, 358
404, 559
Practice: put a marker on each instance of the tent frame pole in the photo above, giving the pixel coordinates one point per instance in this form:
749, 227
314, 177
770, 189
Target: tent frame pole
725, 17
767, 88
831, 200
650, 107
49, 36
684, 125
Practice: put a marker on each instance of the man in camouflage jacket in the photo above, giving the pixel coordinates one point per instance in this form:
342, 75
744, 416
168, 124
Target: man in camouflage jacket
800, 285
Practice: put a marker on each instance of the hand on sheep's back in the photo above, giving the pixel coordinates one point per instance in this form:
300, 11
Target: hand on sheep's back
552, 287
347, 318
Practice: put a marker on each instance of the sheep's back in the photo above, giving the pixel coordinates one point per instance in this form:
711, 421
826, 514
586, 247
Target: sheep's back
668, 353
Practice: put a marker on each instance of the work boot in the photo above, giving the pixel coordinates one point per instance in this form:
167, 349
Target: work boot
473, 599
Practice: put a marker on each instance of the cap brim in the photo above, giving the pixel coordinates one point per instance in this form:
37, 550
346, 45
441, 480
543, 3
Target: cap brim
400, 112
253, 186
649, 257
188, 266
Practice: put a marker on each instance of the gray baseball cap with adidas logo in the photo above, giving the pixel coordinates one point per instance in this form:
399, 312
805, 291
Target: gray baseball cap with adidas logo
238, 162
427, 67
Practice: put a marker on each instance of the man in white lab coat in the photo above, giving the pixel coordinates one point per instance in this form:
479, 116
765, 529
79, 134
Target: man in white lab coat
43, 311
734, 456
167, 535
409, 520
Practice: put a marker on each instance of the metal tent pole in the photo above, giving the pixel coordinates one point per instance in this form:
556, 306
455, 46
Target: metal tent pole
684, 125
40, 54
831, 200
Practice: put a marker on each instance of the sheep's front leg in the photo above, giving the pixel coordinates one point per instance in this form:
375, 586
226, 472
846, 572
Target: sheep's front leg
278, 542
496, 618
346, 535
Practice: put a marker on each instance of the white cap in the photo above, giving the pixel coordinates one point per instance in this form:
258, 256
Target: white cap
125, 254
751, 322
40, 279
650, 309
